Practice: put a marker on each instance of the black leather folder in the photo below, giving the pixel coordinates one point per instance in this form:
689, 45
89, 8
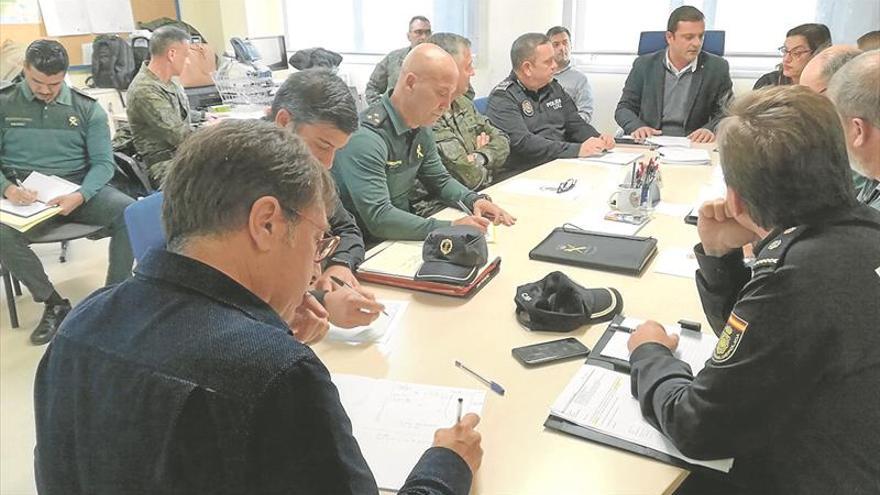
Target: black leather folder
600, 251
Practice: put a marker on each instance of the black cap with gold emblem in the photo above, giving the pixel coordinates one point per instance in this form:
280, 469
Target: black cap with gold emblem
453, 255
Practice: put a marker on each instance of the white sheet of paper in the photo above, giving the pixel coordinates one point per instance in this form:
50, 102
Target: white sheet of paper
400, 258
543, 188
380, 331
676, 261
600, 399
684, 156
110, 16
394, 422
48, 187
65, 17
594, 220
22, 211
678, 210
669, 141
615, 157
693, 348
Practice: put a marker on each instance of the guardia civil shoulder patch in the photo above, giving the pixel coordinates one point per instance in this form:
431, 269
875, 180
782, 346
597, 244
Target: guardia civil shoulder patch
730, 338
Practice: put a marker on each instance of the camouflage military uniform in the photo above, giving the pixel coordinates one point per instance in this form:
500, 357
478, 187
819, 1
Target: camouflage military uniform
385, 74
160, 119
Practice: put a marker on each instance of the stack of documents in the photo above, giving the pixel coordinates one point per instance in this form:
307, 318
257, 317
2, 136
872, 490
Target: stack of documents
669, 141
615, 157
684, 156
25, 217
394, 422
378, 332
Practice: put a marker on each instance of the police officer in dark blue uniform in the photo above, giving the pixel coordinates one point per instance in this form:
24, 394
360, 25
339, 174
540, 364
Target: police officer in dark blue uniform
540, 118
791, 389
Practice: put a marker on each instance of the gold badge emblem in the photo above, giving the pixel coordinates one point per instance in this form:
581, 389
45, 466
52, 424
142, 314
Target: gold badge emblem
446, 246
419, 151
775, 244
730, 338
73, 121
394, 164
527, 108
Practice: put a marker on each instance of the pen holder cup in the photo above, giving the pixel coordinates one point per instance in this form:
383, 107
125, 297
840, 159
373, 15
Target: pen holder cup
626, 199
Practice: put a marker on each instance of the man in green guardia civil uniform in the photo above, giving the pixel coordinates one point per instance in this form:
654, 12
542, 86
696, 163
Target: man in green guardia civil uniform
394, 147
48, 127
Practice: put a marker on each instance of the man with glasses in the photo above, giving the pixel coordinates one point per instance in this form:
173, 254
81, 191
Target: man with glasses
186, 379
387, 71
573, 81
801, 44
679, 91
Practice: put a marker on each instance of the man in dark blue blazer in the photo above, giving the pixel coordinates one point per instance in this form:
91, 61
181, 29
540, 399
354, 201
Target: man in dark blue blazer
679, 91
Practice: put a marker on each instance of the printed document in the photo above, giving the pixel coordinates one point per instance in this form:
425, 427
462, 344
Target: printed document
394, 422
693, 348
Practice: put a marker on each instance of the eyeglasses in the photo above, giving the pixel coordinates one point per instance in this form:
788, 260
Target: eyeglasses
563, 187
327, 245
794, 53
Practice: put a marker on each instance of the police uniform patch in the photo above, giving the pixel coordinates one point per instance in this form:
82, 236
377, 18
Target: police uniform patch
419, 151
73, 121
527, 108
730, 338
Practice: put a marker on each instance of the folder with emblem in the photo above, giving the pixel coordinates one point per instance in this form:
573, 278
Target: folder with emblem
570, 245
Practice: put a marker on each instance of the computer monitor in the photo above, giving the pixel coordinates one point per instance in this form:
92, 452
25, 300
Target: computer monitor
272, 51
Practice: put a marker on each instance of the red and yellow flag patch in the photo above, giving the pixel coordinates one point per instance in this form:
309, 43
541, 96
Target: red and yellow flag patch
730, 338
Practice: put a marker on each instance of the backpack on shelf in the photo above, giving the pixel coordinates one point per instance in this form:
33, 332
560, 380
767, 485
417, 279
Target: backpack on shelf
112, 63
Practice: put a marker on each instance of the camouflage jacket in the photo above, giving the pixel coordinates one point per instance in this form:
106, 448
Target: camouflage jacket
385, 74
456, 136
159, 116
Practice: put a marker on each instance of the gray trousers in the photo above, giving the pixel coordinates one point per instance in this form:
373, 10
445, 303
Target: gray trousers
105, 208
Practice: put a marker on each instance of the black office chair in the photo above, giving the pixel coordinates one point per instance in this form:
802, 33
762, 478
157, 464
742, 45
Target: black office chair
651, 41
63, 233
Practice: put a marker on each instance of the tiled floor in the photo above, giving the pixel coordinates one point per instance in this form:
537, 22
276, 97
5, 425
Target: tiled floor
83, 272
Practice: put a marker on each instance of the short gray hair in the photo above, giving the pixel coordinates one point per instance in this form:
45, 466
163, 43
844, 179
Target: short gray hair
219, 172
836, 61
855, 88
451, 43
783, 151
162, 39
524, 47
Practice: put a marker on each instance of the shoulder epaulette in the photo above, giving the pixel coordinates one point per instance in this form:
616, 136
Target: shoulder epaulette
375, 115
773, 253
82, 93
502, 86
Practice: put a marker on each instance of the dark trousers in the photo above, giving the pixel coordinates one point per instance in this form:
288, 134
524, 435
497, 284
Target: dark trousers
104, 208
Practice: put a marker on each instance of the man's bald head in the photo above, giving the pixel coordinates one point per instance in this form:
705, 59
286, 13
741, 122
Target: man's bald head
426, 86
855, 91
819, 70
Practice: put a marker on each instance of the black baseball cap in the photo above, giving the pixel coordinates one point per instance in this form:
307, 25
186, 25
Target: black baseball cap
556, 303
453, 255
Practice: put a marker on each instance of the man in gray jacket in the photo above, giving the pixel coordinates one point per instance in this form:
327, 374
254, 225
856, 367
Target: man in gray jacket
679, 91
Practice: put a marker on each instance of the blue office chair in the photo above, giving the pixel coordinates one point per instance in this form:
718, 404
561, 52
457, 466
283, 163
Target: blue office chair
143, 219
482, 104
651, 41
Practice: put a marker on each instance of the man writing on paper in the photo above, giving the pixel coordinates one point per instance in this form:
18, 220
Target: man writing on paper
201, 387
318, 106
395, 146
48, 127
784, 391
538, 115
854, 92
679, 91
158, 109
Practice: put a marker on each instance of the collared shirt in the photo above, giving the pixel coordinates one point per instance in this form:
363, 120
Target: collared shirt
870, 194
159, 115
377, 169
68, 137
785, 389
689, 67
183, 381
576, 84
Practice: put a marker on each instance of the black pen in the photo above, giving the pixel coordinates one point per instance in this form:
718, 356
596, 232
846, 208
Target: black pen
464, 207
343, 283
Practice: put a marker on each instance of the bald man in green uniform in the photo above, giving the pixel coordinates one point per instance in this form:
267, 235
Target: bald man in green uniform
394, 146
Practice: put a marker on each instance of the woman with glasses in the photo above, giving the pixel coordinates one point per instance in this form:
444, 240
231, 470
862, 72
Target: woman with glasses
801, 44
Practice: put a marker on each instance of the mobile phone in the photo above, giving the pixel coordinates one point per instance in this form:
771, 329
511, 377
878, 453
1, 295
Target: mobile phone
548, 352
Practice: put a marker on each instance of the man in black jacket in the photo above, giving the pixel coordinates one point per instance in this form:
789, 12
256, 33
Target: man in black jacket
319, 107
538, 115
798, 350
679, 91
186, 379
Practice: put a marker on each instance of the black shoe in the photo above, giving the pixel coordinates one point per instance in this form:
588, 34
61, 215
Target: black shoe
53, 315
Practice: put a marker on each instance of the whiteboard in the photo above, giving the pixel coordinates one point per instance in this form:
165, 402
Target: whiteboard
74, 17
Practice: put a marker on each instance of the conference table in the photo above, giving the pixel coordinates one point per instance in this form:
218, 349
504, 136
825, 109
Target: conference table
521, 456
